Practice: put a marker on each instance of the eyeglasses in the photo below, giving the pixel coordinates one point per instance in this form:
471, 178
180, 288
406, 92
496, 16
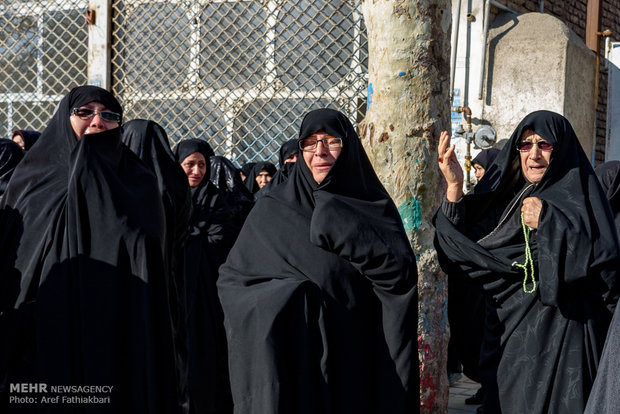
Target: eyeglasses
85, 113
310, 144
525, 146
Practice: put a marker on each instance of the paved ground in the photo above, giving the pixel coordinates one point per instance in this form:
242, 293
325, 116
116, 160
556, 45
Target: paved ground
462, 389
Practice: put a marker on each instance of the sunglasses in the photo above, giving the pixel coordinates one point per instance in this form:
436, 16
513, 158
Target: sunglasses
525, 146
85, 113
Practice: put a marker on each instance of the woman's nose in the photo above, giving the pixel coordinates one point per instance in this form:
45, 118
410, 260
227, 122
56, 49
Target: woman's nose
321, 148
96, 121
535, 152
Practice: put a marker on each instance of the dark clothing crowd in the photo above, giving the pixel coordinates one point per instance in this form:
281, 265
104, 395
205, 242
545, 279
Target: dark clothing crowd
171, 280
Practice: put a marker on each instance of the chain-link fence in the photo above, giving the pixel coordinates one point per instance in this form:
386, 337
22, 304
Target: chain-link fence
239, 74
43, 50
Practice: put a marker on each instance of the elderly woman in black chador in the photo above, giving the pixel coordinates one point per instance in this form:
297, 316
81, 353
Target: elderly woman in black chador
537, 233
149, 142
83, 295
319, 292
208, 242
10, 155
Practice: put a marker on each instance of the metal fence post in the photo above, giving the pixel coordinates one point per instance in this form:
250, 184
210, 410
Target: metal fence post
99, 21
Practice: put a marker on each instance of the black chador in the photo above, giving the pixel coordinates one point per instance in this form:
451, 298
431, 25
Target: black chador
149, 142
82, 277
208, 242
549, 300
320, 293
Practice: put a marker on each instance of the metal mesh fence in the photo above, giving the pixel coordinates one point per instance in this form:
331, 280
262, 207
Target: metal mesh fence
239, 74
43, 52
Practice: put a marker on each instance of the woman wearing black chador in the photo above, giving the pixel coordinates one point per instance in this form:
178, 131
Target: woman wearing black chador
538, 235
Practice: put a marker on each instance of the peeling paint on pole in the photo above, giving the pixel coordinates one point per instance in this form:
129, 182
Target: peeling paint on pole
411, 214
407, 107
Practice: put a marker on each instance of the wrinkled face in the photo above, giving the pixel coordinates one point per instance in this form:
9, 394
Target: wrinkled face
478, 171
263, 178
291, 158
91, 124
321, 159
534, 162
19, 141
195, 167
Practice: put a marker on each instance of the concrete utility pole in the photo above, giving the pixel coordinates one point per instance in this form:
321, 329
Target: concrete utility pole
408, 106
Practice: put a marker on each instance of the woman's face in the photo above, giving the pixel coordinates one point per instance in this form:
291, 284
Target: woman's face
291, 158
478, 171
92, 122
195, 167
321, 159
19, 141
263, 178
534, 161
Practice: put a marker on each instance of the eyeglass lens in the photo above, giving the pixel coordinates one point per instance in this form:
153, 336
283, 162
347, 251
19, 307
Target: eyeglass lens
311, 144
525, 146
85, 113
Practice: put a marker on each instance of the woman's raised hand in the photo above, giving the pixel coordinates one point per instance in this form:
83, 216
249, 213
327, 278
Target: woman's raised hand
450, 168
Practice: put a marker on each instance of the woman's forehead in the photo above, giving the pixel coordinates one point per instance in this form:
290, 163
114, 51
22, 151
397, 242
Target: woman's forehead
530, 135
93, 104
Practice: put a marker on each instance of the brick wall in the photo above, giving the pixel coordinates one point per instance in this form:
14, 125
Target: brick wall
573, 13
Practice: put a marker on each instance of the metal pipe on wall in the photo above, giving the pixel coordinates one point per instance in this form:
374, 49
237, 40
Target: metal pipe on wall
502, 7
455, 42
487, 11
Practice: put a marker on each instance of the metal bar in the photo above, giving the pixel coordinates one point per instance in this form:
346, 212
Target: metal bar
487, 11
99, 35
500, 6
455, 42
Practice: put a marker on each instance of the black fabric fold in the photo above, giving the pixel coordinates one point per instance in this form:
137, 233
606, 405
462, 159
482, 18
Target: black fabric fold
287, 149
240, 201
10, 155
149, 142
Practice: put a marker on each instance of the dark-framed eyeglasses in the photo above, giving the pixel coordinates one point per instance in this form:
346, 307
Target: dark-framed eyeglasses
86, 113
526, 146
309, 144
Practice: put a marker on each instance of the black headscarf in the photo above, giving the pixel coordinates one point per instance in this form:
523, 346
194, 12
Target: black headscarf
10, 155
608, 174
250, 179
28, 136
287, 149
226, 178
319, 292
149, 141
246, 169
576, 259
188, 146
210, 237
485, 157
83, 298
